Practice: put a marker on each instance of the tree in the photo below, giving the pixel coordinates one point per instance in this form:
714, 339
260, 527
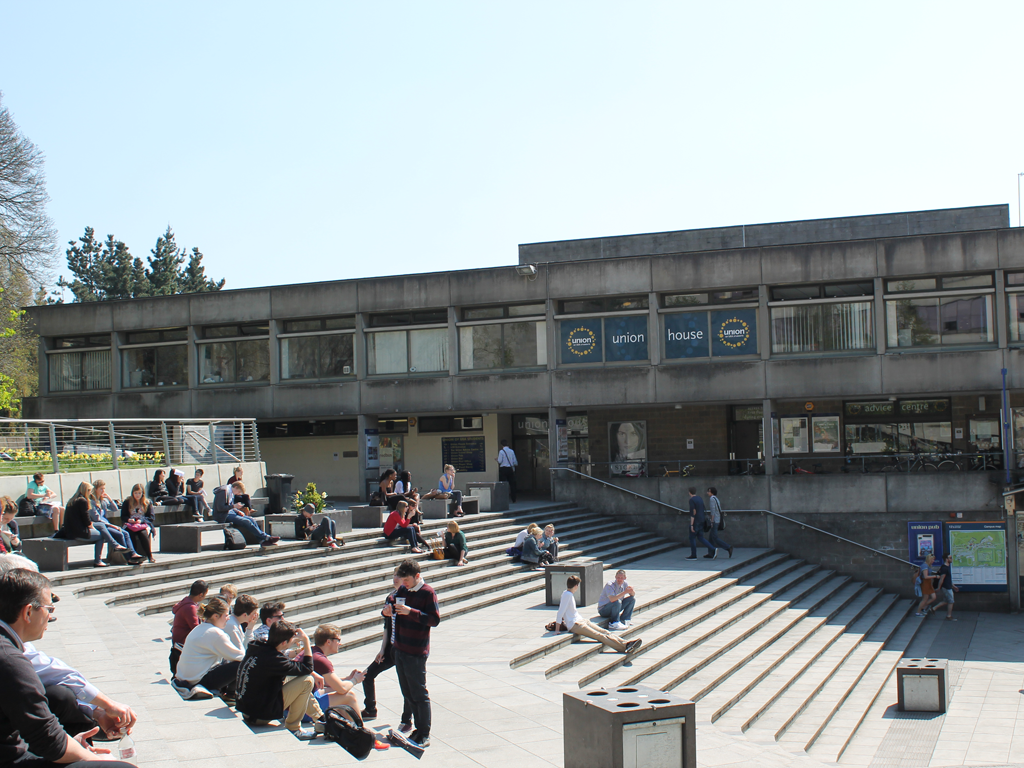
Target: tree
27, 236
194, 279
165, 260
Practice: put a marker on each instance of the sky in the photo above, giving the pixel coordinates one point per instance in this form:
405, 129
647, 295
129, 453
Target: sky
295, 142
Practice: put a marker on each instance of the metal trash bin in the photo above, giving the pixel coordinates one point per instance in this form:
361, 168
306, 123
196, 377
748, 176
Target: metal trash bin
279, 488
629, 727
922, 685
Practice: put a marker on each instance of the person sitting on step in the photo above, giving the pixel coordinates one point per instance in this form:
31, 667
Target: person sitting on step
245, 615
446, 489
139, 520
270, 614
322, 534
263, 695
570, 617
455, 547
209, 659
42, 501
10, 535
230, 507
549, 542
186, 618
176, 489
532, 553
398, 527
340, 690
78, 525
103, 505
159, 493
617, 601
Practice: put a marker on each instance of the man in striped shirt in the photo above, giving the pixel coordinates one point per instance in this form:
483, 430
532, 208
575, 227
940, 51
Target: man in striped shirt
416, 612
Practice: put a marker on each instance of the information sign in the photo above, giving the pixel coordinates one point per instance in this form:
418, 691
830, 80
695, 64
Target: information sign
466, 454
979, 555
925, 539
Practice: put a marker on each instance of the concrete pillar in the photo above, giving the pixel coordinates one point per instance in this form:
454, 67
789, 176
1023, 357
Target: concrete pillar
359, 347
44, 369
364, 422
654, 334
554, 416
115, 363
275, 353
453, 345
1001, 310
879, 316
552, 334
764, 326
193, 357
769, 436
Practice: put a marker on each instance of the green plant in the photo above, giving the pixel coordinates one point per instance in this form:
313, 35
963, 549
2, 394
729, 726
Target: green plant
310, 496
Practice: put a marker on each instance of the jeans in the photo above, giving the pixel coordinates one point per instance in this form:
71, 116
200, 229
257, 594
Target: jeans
407, 533
696, 538
618, 610
115, 536
96, 537
412, 678
63, 704
324, 530
247, 526
713, 536
219, 678
370, 688
457, 498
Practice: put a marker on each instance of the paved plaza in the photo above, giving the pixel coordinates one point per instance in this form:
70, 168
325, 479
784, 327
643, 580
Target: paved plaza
487, 714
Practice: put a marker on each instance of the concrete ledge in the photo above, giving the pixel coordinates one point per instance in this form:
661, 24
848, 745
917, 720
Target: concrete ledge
283, 525
368, 517
51, 554
439, 509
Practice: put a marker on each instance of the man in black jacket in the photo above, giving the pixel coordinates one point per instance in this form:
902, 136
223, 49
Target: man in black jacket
30, 736
260, 687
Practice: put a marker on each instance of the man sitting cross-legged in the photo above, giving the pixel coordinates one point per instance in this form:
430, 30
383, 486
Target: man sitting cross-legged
262, 693
30, 734
568, 615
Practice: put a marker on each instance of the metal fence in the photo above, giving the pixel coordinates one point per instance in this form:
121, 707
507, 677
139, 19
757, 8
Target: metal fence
73, 445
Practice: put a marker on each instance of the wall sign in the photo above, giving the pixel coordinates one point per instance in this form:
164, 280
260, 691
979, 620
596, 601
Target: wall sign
686, 335
825, 431
979, 555
925, 539
372, 437
627, 448
466, 454
734, 332
625, 339
884, 408
581, 341
794, 434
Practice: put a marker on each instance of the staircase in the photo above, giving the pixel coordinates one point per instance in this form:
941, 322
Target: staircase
773, 649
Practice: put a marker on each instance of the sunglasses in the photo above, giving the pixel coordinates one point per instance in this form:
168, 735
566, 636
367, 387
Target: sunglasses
49, 608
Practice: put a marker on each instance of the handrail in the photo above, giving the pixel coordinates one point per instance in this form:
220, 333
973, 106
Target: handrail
636, 495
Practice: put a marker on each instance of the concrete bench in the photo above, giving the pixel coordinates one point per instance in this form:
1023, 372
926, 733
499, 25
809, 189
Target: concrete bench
368, 517
34, 527
493, 496
283, 525
438, 509
51, 554
183, 538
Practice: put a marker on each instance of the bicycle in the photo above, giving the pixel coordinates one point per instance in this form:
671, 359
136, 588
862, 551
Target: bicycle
683, 471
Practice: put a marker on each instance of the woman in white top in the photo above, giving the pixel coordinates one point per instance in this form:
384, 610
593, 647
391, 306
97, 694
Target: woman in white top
209, 658
527, 531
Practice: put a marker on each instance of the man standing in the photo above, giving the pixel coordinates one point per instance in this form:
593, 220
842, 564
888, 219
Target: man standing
617, 601
715, 511
383, 661
416, 611
507, 464
946, 586
697, 518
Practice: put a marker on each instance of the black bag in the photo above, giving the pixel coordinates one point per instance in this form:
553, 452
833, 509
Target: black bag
357, 740
26, 507
707, 525
721, 520
233, 538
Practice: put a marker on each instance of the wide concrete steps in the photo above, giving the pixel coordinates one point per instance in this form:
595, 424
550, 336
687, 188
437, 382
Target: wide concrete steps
824, 685
833, 737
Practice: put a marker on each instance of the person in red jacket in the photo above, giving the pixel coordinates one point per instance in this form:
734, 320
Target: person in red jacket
397, 526
186, 618
416, 611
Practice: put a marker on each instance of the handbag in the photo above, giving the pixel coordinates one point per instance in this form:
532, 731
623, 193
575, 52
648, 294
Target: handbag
357, 740
135, 526
550, 627
707, 525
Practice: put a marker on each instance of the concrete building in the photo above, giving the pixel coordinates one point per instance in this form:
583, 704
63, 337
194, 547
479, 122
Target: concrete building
808, 343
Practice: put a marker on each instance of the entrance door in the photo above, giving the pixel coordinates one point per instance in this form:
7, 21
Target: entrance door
746, 442
579, 454
533, 475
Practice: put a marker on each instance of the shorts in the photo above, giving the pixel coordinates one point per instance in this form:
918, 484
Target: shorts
947, 595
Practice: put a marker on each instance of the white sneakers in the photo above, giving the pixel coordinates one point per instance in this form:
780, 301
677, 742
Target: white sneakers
616, 626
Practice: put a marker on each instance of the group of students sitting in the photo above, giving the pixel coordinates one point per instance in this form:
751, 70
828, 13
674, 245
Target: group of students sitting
535, 545
393, 488
258, 662
404, 523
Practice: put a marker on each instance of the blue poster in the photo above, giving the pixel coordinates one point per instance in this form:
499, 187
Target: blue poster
925, 539
625, 339
734, 332
581, 341
979, 555
686, 335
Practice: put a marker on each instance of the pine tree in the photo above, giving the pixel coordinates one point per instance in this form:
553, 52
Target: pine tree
165, 262
194, 278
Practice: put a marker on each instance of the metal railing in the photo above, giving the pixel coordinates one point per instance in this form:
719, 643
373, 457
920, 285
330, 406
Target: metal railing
82, 445
763, 512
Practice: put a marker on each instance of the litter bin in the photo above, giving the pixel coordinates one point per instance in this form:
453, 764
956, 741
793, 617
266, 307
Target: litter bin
279, 488
629, 727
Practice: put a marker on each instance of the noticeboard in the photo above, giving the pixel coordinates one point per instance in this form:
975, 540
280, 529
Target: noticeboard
979, 555
466, 454
925, 538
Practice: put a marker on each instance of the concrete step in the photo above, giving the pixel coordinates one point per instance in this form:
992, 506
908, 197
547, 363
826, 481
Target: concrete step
676, 654
644, 611
785, 710
832, 737
568, 650
734, 708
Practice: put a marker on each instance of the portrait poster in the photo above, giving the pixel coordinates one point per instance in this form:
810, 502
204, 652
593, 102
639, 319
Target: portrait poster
627, 448
794, 434
825, 433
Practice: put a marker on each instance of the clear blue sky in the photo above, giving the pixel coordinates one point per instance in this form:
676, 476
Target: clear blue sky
329, 140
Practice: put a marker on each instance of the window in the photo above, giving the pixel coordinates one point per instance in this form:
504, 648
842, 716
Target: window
306, 428
235, 357
718, 333
742, 295
413, 351
1015, 299
79, 363
614, 339
318, 349
451, 424
594, 306
418, 317
906, 426
498, 340
155, 359
833, 327
942, 311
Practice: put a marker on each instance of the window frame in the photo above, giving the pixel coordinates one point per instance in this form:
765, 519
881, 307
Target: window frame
505, 319
316, 334
407, 329
234, 340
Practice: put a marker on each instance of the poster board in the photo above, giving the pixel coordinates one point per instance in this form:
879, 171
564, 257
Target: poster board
466, 454
979, 555
825, 433
627, 448
794, 434
923, 539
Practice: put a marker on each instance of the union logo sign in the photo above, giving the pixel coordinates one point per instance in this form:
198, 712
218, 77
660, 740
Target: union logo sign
581, 341
734, 333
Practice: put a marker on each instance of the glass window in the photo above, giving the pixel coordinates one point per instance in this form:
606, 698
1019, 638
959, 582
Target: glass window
388, 352
728, 297
796, 292
907, 285
1015, 278
684, 299
165, 366
1016, 316
954, 282
337, 355
608, 339
296, 326
229, 331
79, 342
317, 357
79, 371
482, 313
252, 361
849, 289
588, 306
428, 350
234, 361
146, 337
421, 317
419, 351
822, 327
937, 321
502, 345
527, 310
319, 324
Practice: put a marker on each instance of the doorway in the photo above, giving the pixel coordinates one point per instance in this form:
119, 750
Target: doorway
534, 460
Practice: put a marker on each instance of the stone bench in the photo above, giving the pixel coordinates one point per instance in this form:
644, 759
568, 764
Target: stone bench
590, 573
493, 496
283, 525
187, 538
51, 554
438, 509
368, 517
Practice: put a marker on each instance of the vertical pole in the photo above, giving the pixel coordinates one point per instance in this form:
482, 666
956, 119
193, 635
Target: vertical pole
167, 444
53, 448
113, 443
213, 446
1006, 431
256, 443
242, 425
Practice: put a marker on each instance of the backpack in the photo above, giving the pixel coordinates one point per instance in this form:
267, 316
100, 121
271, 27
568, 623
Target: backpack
233, 538
357, 740
26, 507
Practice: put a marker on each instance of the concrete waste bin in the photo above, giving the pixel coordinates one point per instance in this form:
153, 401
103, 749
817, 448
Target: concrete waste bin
629, 727
922, 685
493, 496
279, 488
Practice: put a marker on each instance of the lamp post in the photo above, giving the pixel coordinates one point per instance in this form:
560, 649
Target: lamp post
1018, 197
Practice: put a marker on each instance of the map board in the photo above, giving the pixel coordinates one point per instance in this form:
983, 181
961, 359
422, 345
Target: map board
466, 454
979, 555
